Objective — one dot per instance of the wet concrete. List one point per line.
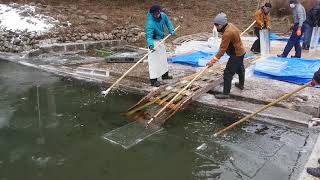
(312, 162)
(245, 108)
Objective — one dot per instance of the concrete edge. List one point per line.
(312, 162)
(263, 117)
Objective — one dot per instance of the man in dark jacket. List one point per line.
(232, 45)
(299, 16)
(313, 20)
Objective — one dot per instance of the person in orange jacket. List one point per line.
(232, 45)
(262, 17)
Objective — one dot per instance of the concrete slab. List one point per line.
(275, 113)
(312, 162)
(267, 90)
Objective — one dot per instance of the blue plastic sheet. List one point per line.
(198, 58)
(275, 37)
(294, 70)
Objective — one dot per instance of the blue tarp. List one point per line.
(275, 37)
(294, 70)
(198, 58)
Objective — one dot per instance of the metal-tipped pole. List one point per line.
(106, 92)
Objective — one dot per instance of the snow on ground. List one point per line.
(19, 18)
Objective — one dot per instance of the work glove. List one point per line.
(209, 64)
(173, 33)
(299, 33)
(212, 61)
(313, 82)
(151, 47)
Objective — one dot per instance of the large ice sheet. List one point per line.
(247, 154)
(130, 134)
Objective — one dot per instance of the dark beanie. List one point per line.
(268, 5)
(316, 76)
(293, 2)
(154, 8)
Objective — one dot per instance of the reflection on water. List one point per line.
(51, 129)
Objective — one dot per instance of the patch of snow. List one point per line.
(24, 18)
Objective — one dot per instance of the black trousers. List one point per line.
(256, 45)
(234, 65)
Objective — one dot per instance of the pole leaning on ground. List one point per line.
(177, 95)
(106, 92)
(248, 28)
(262, 109)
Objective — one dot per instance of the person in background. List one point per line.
(158, 64)
(313, 20)
(232, 45)
(299, 16)
(262, 17)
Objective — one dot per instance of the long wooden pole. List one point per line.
(262, 109)
(176, 96)
(106, 92)
(248, 28)
(195, 78)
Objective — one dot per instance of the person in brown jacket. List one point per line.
(232, 45)
(262, 17)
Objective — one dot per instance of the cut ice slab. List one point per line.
(93, 72)
(130, 134)
(248, 154)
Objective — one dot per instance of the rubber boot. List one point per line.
(314, 172)
(166, 76)
(241, 87)
(155, 83)
(222, 96)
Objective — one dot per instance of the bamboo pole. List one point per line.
(148, 104)
(164, 108)
(106, 92)
(166, 99)
(248, 28)
(198, 75)
(262, 109)
(159, 97)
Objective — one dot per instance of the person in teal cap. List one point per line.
(158, 65)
